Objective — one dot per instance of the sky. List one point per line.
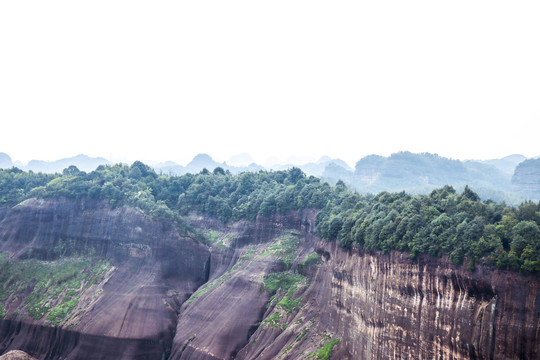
(166, 80)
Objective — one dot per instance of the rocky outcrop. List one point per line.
(16, 355)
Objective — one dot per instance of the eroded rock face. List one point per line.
(390, 307)
(168, 297)
(132, 317)
(219, 319)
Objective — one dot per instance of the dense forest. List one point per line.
(444, 222)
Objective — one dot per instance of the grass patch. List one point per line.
(289, 305)
(282, 280)
(60, 312)
(54, 286)
(284, 248)
(2, 311)
(272, 321)
(212, 236)
(249, 254)
(303, 333)
(311, 259)
(219, 240)
(287, 350)
(325, 352)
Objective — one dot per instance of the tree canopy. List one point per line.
(441, 223)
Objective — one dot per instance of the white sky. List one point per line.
(165, 80)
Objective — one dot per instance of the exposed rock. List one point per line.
(16, 355)
(169, 297)
(390, 307)
(131, 318)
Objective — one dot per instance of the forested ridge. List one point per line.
(444, 222)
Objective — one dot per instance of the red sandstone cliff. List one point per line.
(168, 297)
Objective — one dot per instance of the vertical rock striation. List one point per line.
(391, 307)
(132, 317)
(169, 297)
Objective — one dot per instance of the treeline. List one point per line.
(442, 223)
(218, 193)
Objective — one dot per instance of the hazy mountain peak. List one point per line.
(5, 161)
(202, 158)
(515, 158)
(167, 163)
(324, 159)
(202, 161)
(508, 163)
(81, 161)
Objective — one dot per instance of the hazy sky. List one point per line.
(165, 80)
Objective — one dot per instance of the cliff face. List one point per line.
(263, 290)
(389, 307)
(125, 313)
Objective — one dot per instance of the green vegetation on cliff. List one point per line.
(52, 288)
(326, 351)
(441, 223)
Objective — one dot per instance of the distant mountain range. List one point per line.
(421, 173)
(512, 179)
(200, 162)
(83, 162)
(507, 164)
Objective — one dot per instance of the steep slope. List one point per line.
(217, 321)
(267, 289)
(126, 308)
(357, 306)
(387, 307)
